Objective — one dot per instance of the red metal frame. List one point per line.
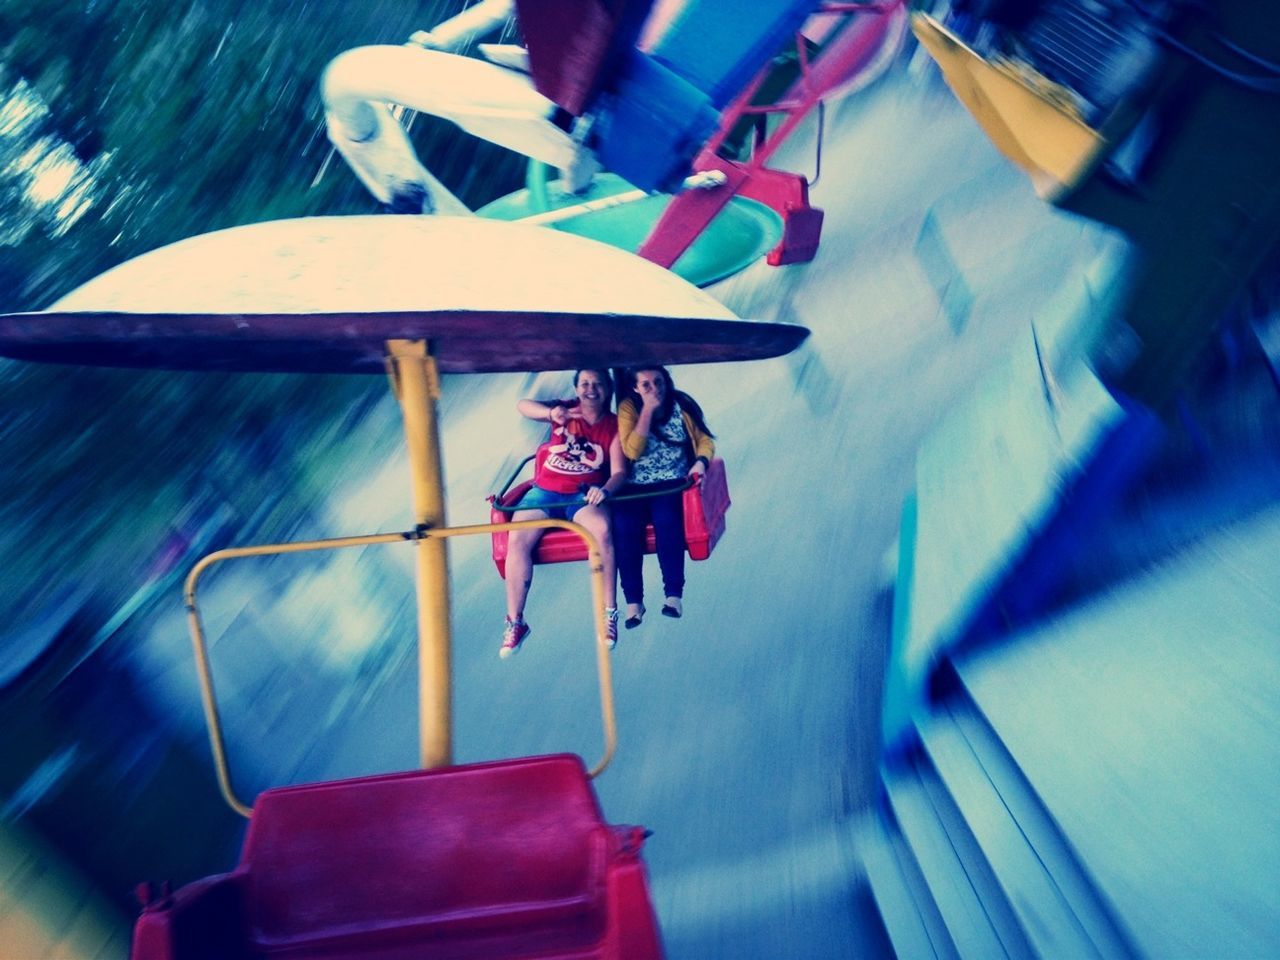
(852, 49)
(705, 504)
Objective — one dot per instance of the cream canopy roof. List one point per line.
(324, 294)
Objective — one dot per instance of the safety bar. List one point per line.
(703, 180)
(213, 720)
(496, 499)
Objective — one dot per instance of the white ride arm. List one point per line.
(485, 100)
(475, 21)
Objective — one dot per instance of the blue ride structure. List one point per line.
(1047, 787)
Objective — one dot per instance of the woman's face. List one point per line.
(651, 382)
(591, 388)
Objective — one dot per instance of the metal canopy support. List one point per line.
(416, 382)
(329, 295)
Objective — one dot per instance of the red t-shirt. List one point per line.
(576, 454)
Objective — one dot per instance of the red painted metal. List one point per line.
(705, 505)
(570, 43)
(851, 49)
(495, 860)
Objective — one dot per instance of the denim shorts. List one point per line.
(536, 498)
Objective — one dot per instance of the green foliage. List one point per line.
(208, 116)
(186, 118)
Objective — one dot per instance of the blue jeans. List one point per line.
(535, 498)
(666, 512)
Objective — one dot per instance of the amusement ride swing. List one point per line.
(666, 118)
(704, 502)
(508, 858)
(502, 859)
(725, 214)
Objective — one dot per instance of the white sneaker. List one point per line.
(635, 615)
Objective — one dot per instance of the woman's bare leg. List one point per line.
(596, 520)
(520, 547)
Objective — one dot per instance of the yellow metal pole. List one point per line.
(212, 718)
(417, 386)
(207, 697)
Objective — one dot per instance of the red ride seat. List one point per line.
(505, 860)
(705, 505)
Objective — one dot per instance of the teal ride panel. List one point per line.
(743, 232)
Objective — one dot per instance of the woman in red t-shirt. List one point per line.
(583, 453)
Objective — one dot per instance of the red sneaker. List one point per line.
(512, 636)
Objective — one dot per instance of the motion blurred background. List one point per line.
(124, 127)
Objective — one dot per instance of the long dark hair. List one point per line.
(663, 414)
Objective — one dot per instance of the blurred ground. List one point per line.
(749, 729)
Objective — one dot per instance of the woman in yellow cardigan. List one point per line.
(666, 440)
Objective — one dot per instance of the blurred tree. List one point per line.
(127, 126)
(206, 115)
(124, 127)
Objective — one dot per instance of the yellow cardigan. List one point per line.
(633, 444)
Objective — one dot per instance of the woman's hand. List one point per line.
(558, 415)
(595, 496)
(649, 396)
(698, 469)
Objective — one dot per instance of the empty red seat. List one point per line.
(506, 860)
(705, 505)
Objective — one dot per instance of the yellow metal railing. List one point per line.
(1030, 119)
(212, 718)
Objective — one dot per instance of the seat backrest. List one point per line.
(719, 45)
(408, 849)
(704, 508)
